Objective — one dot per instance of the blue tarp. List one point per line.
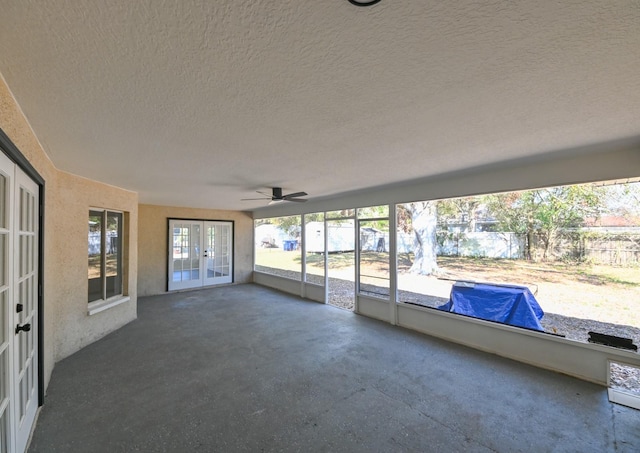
(513, 305)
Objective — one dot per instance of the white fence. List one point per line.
(482, 244)
(94, 242)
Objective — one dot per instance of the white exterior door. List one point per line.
(200, 253)
(18, 306)
(185, 254)
(217, 253)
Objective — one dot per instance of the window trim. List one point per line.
(103, 304)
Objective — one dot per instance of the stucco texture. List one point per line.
(153, 241)
(67, 326)
(69, 208)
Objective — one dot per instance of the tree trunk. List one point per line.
(424, 219)
(549, 245)
(529, 254)
(529, 245)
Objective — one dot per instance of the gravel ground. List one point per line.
(342, 296)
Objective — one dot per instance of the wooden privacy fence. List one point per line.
(614, 249)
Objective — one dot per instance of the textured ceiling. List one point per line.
(200, 102)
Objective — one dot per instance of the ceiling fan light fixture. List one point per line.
(277, 196)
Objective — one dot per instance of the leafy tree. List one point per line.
(544, 212)
(314, 217)
(290, 225)
(623, 200)
(376, 212)
(373, 212)
(459, 209)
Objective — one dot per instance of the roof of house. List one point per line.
(612, 221)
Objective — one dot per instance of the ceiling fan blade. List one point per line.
(277, 197)
(295, 195)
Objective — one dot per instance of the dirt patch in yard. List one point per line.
(601, 298)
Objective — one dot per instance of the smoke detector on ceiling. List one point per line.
(357, 3)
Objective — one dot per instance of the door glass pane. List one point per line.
(180, 252)
(3, 201)
(341, 262)
(22, 256)
(3, 236)
(222, 249)
(27, 210)
(31, 254)
(211, 251)
(4, 441)
(3, 259)
(374, 257)
(95, 255)
(219, 250)
(23, 210)
(4, 353)
(195, 253)
(186, 252)
(4, 330)
(113, 254)
(32, 213)
(4, 369)
(22, 300)
(314, 246)
(22, 399)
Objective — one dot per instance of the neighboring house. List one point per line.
(612, 224)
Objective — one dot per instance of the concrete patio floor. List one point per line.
(247, 369)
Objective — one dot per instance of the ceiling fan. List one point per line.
(277, 197)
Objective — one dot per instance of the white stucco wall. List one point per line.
(67, 211)
(67, 326)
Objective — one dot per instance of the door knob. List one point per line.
(24, 328)
(19, 308)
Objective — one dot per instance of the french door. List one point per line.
(19, 206)
(200, 253)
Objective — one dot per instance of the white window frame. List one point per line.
(104, 303)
